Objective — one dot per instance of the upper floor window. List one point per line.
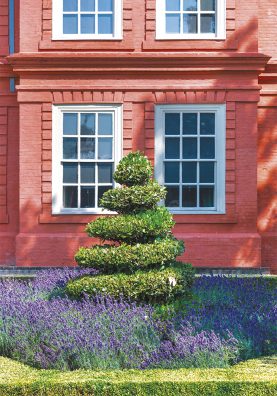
(190, 19)
(87, 19)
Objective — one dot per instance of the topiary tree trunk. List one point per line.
(141, 261)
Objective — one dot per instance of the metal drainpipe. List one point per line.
(11, 39)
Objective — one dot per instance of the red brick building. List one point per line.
(191, 83)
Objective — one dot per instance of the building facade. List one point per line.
(191, 83)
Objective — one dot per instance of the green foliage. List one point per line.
(130, 258)
(134, 169)
(252, 378)
(141, 227)
(133, 199)
(153, 286)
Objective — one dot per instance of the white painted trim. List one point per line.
(220, 33)
(57, 151)
(57, 24)
(220, 149)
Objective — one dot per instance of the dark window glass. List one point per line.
(105, 148)
(206, 172)
(189, 148)
(207, 24)
(105, 24)
(70, 24)
(172, 148)
(87, 124)
(173, 23)
(172, 170)
(206, 196)
(101, 191)
(70, 197)
(207, 148)
(87, 173)
(189, 172)
(172, 124)
(207, 5)
(190, 5)
(70, 148)
(87, 24)
(87, 197)
(207, 124)
(190, 23)
(70, 173)
(190, 124)
(105, 5)
(105, 173)
(105, 124)
(172, 197)
(70, 5)
(70, 124)
(87, 148)
(87, 5)
(172, 5)
(189, 196)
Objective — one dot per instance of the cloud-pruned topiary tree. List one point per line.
(140, 261)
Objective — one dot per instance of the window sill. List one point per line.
(190, 37)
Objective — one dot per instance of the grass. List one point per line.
(254, 377)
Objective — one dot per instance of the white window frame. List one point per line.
(57, 24)
(220, 21)
(220, 147)
(57, 151)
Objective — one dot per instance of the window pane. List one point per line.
(70, 5)
(189, 196)
(172, 123)
(87, 197)
(105, 5)
(207, 5)
(207, 148)
(190, 5)
(87, 124)
(87, 148)
(70, 124)
(101, 191)
(172, 197)
(105, 173)
(70, 173)
(70, 148)
(190, 124)
(87, 173)
(189, 148)
(190, 23)
(105, 148)
(70, 24)
(172, 5)
(173, 23)
(172, 171)
(172, 148)
(70, 197)
(105, 124)
(206, 172)
(87, 24)
(207, 24)
(207, 124)
(87, 5)
(105, 24)
(206, 197)
(189, 172)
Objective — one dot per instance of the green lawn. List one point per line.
(254, 377)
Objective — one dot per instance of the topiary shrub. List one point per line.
(156, 286)
(143, 245)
